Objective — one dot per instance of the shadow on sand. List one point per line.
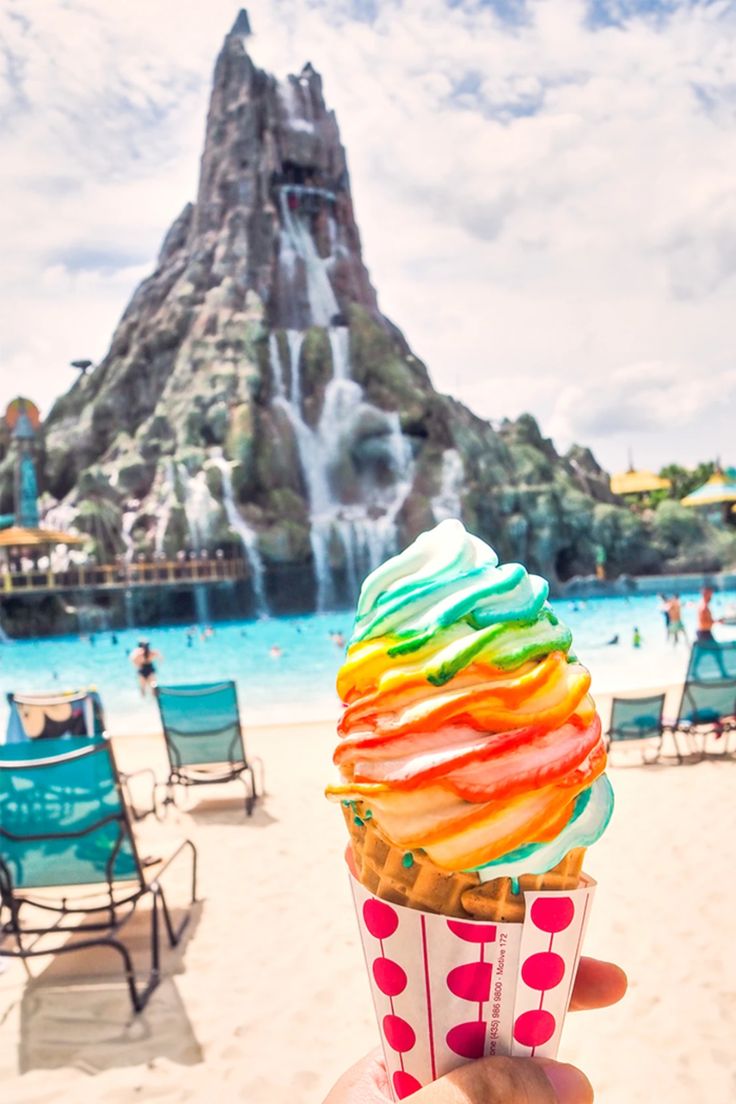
(77, 1012)
(712, 749)
(229, 809)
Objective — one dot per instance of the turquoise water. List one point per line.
(299, 684)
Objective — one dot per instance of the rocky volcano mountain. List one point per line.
(254, 398)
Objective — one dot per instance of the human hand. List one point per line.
(497, 1080)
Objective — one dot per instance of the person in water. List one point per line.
(636, 638)
(600, 562)
(665, 608)
(706, 620)
(675, 626)
(704, 633)
(143, 659)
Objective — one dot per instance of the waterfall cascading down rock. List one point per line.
(165, 498)
(199, 506)
(366, 529)
(129, 519)
(248, 536)
(447, 503)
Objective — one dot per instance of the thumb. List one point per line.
(509, 1081)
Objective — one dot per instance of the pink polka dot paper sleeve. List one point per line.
(447, 991)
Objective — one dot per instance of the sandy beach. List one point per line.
(267, 1001)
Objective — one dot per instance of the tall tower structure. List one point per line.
(23, 419)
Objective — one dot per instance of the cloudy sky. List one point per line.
(545, 191)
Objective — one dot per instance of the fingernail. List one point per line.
(569, 1084)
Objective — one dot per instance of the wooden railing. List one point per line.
(123, 576)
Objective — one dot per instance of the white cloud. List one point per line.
(545, 204)
(654, 396)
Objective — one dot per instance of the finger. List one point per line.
(509, 1081)
(597, 984)
(364, 1083)
(487, 1081)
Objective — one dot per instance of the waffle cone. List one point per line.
(382, 869)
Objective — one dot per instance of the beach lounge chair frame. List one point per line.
(201, 752)
(94, 729)
(111, 898)
(712, 661)
(637, 719)
(706, 708)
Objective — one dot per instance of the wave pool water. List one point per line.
(299, 683)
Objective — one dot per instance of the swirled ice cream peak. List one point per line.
(447, 574)
(468, 728)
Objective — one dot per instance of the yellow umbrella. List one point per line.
(637, 482)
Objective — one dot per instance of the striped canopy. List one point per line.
(720, 488)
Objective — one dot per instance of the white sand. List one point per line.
(268, 1003)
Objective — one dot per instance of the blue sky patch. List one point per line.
(615, 13)
(513, 12)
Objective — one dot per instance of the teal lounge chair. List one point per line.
(69, 861)
(712, 662)
(637, 719)
(706, 708)
(204, 738)
(69, 715)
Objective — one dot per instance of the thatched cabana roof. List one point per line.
(17, 537)
(637, 482)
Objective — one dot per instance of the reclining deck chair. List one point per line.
(55, 714)
(637, 719)
(705, 708)
(204, 738)
(67, 851)
(65, 715)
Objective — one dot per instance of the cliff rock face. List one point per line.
(254, 396)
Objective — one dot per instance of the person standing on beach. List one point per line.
(143, 659)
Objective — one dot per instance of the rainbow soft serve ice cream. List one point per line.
(469, 740)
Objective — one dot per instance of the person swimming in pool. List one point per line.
(143, 659)
(676, 627)
(704, 634)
